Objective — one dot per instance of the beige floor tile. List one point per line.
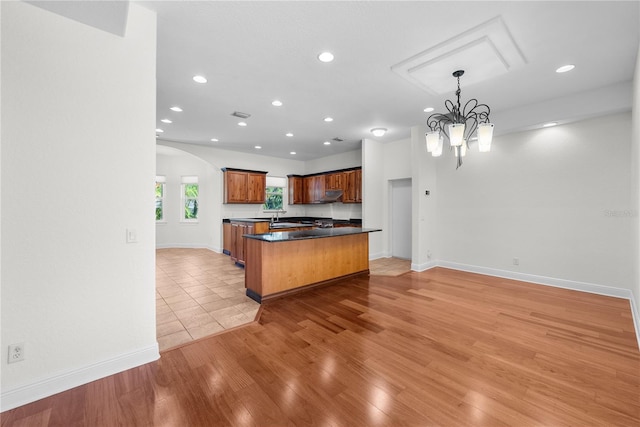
(191, 285)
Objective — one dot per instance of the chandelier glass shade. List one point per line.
(458, 125)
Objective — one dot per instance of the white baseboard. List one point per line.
(378, 255)
(424, 266)
(46, 387)
(547, 281)
(187, 246)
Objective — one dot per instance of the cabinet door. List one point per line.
(234, 240)
(256, 188)
(240, 230)
(333, 181)
(235, 187)
(318, 188)
(358, 185)
(349, 182)
(296, 190)
(226, 238)
(308, 195)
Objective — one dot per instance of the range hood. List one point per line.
(331, 196)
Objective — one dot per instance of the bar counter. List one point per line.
(280, 263)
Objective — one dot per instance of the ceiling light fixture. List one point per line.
(428, 109)
(199, 79)
(159, 130)
(214, 140)
(378, 131)
(276, 103)
(289, 134)
(458, 124)
(325, 57)
(565, 68)
(327, 143)
(292, 153)
(242, 124)
(176, 109)
(257, 147)
(550, 124)
(166, 121)
(328, 119)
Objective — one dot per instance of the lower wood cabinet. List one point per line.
(237, 243)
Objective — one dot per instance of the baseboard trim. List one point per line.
(187, 246)
(22, 395)
(424, 266)
(592, 288)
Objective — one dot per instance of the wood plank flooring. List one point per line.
(441, 347)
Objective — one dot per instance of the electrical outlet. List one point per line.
(516, 261)
(16, 353)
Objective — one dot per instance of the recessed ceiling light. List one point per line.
(292, 153)
(257, 147)
(276, 103)
(242, 123)
(378, 131)
(159, 130)
(289, 134)
(214, 139)
(327, 143)
(328, 119)
(199, 79)
(325, 57)
(428, 109)
(176, 109)
(550, 124)
(565, 68)
(166, 121)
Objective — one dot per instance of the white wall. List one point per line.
(373, 187)
(78, 152)
(553, 198)
(635, 190)
(171, 232)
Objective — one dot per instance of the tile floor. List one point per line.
(200, 292)
(389, 266)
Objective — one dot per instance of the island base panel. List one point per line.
(274, 267)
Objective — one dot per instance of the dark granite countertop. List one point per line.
(316, 233)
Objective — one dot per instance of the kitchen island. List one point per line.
(280, 263)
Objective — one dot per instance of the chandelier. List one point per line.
(458, 125)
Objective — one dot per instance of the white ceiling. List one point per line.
(255, 52)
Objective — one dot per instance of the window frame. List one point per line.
(184, 182)
(162, 181)
(275, 182)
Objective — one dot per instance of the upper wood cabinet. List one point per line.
(314, 187)
(244, 186)
(333, 181)
(352, 192)
(296, 189)
(311, 189)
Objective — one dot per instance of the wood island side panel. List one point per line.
(275, 267)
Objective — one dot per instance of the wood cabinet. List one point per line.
(226, 238)
(237, 243)
(333, 181)
(314, 188)
(352, 192)
(296, 190)
(244, 186)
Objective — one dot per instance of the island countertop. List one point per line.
(317, 233)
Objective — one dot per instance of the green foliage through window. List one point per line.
(159, 201)
(273, 200)
(190, 201)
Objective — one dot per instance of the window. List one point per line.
(160, 183)
(190, 191)
(275, 192)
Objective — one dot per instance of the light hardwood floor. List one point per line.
(441, 347)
